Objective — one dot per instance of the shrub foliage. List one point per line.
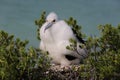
(19, 63)
(103, 62)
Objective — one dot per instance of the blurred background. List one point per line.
(17, 16)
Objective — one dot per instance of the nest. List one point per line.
(57, 72)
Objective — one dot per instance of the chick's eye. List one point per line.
(54, 20)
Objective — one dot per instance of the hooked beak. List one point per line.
(48, 25)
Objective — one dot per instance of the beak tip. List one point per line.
(47, 26)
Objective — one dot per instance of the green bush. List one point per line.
(103, 62)
(19, 63)
(104, 54)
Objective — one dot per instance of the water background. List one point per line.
(17, 16)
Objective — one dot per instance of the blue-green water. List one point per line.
(17, 16)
